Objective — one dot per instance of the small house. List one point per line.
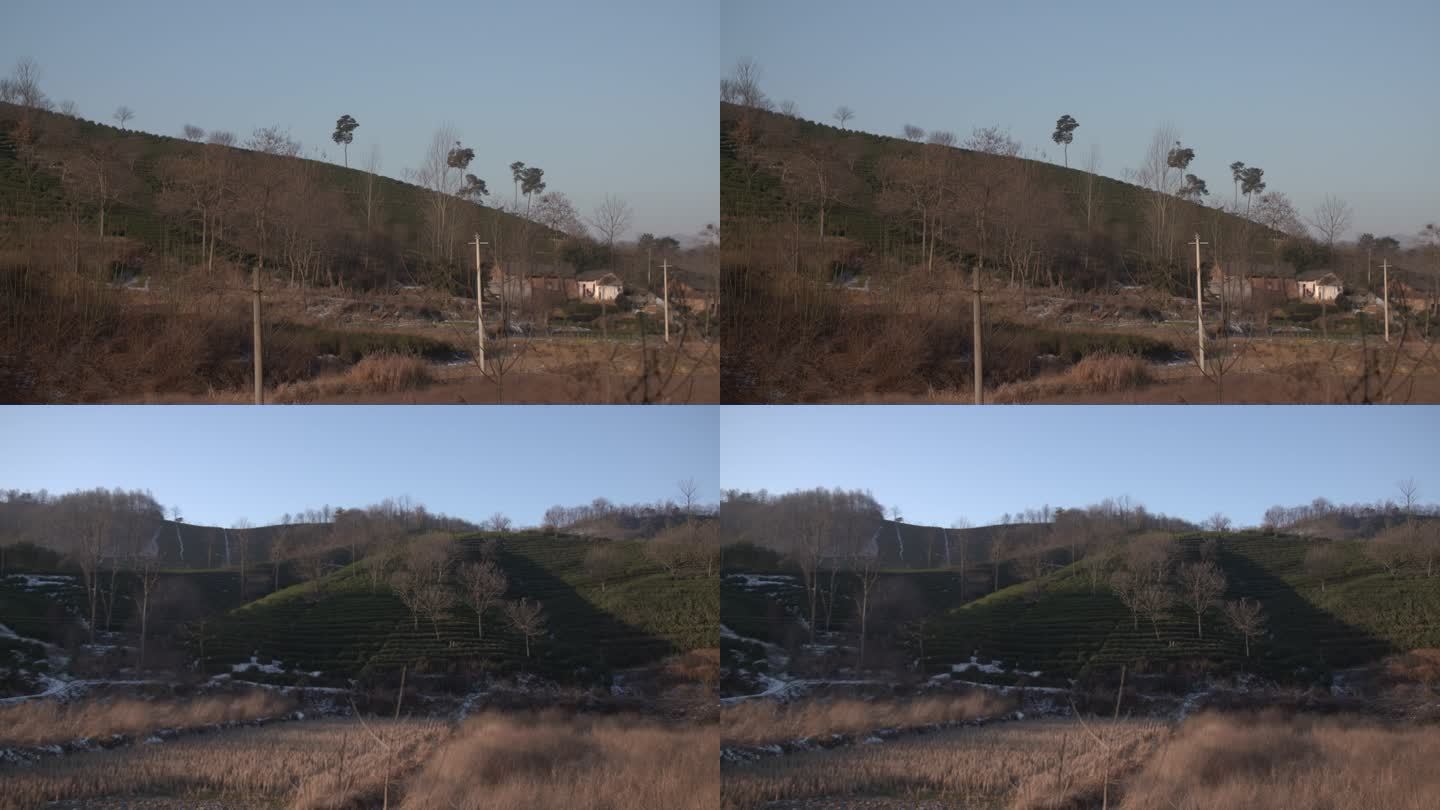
(519, 283)
(599, 285)
(1243, 281)
(1319, 285)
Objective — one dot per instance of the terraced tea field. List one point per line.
(638, 616)
(1362, 614)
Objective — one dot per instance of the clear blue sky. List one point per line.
(615, 97)
(223, 463)
(941, 463)
(1327, 97)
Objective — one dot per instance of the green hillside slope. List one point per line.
(326, 211)
(1068, 629)
(347, 628)
(766, 159)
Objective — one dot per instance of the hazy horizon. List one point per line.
(584, 100)
(940, 463)
(223, 463)
(1295, 101)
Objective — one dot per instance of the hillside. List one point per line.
(343, 626)
(154, 188)
(771, 167)
(1068, 630)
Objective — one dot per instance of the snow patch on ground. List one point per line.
(752, 581)
(990, 669)
(272, 668)
(35, 582)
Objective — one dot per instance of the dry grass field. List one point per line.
(761, 722)
(324, 764)
(1040, 764)
(491, 761)
(46, 723)
(1296, 763)
(503, 762)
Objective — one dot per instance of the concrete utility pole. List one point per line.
(665, 270)
(258, 348)
(979, 362)
(1385, 268)
(1199, 303)
(480, 300)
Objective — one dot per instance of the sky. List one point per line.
(220, 463)
(942, 463)
(1328, 98)
(615, 97)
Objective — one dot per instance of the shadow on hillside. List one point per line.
(1299, 632)
(581, 631)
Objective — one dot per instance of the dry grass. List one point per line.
(501, 762)
(1102, 373)
(1290, 764)
(1028, 765)
(381, 373)
(761, 722)
(46, 723)
(306, 766)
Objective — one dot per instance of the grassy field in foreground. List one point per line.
(493, 761)
(1007, 765)
(345, 624)
(47, 723)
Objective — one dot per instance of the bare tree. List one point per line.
(484, 585)
(433, 599)
(868, 576)
(1202, 584)
(242, 542)
(842, 115)
(222, 138)
(670, 550)
(790, 108)
(271, 141)
(742, 86)
(148, 574)
(1247, 617)
(498, 522)
(68, 107)
(1332, 218)
(528, 619)
(611, 219)
(23, 86)
(1152, 599)
(999, 548)
(603, 562)
(1217, 522)
(1323, 561)
(912, 133)
(405, 584)
(942, 137)
(122, 115)
(1126, 584)
(992, 141)
(193, 133)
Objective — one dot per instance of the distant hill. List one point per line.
(1067, 629)
(768, 169)
(53, 167)
(638, 615)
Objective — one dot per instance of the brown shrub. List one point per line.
(1289, 764)
(763, 722)
(1101, 373)
(380, 373)
(46, 723)
(578, 763)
